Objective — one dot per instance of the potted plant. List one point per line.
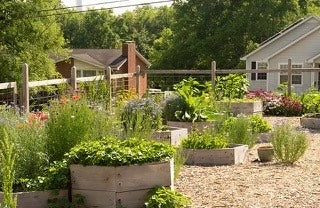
(265, 153)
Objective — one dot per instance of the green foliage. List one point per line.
(233, 86)
(289, 145)
(77, 201)
(311, 101)
(179, 160)
(111, 152)
(240, 131)
(205, 140)
(25, 38)
(72, 122)
(166, 198)
(172, 104)
(140, 117)
(7, 169)
(258, 124)
(195, 97)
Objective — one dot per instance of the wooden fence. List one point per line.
(213, 72)
(73, 81)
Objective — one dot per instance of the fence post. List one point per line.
(138, 71)
(213, 74)
(108, 81)
(73, 80)
(25, 88)
(289, 76)
(15, 93)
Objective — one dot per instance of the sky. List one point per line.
(121, 3)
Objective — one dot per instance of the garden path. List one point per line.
(255, 184)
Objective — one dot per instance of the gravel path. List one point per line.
(255, 184)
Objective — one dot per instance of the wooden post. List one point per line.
(138, 71)
(25, 88)
(108, 82)
(73, 80)
(213, 74)
(15, 93)
(289, 76)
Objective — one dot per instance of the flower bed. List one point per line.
(171, 135)
(234, 154)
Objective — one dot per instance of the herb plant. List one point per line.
(289, 145)
(112, 152)
(205, 140)
(166, 198)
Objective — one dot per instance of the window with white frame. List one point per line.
(89, 73)
(296, 77)
(262, 76)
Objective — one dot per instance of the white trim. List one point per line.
(257, 66)
(280, 35)
(311, 60)
(143, 59)
(87, 62)
(294, 42)
(279, 64)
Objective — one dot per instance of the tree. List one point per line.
(207, 30)
(28, 34)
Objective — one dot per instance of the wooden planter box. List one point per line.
(104, 186)
(201, 126)
(246, 108)
(173, 135)
(36, 199)
(310, 122)
(235, 154)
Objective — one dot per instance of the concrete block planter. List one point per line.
(172, 135)
(128, 186)
(311, 121)
(36, 199)
(235, 154)
(246, 108)
(201, 126)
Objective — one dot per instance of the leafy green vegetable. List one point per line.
(205, 140)
(231, 86)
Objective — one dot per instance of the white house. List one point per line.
(300, 42)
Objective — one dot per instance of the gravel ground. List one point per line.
(255, 184)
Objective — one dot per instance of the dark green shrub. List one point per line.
(172, 104)
(112, 152)
(205, 140)
(166, 198)
(289, 145)
(139, 117)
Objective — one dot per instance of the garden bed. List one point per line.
(201, 126)
(104, 186)
(235, 154)
(172, 135)
(310, 121)
(37, 199)
(245, 107)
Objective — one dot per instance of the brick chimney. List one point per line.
(129, 51)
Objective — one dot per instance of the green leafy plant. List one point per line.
(240, 131)
(231, 86)
(112, 152)
(258, 124)
(179, 160)
(140, 117)
(311, 101)
(7, 168)
(289, 145)
(172, 104)
(166, 198)
(77, 201)
(205, 140)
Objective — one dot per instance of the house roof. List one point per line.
(103, 58)
(312, 59)
(280, 34)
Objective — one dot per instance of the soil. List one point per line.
(256, 184)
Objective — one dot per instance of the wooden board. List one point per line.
(97, 199)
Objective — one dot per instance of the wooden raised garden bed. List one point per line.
(127, 186)
(235, 154)
(36, 199)
(172, 135)
(310, 121)
(245, 107)
(201, 126)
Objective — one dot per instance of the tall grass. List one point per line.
(289, 145)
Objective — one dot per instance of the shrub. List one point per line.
(289, 145)
(231, 86)
(284, 106)
(311, 101)
(205, 140)
(239, 131)
(112, 152)
(166, 198)
(73, 121)
(258, 124)
(140, 116)
(172, 104)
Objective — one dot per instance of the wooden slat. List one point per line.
(178, 71)
(119, 76)
(48, 82)
(8, 85)
(90, 79)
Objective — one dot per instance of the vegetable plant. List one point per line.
(311, 101)
(231, 86)
(205, 140)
